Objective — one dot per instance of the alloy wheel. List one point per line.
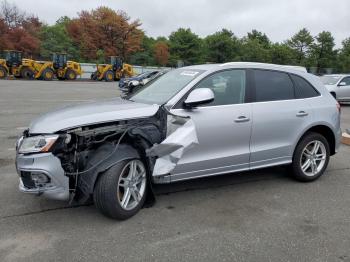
(131, 184)
(313, 158)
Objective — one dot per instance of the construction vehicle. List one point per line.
(65, 69)
(11, 63)
(113, 71)
(14, 64)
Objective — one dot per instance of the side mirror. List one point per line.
(342, 84)
(199, 96)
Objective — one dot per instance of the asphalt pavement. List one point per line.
(252, 216)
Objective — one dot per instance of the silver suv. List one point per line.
(191, 122)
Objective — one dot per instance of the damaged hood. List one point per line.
(90, 113)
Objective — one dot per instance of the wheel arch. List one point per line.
(100, 160)
(324, 130)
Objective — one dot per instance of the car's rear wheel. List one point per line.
(311, 157)
(120, 192)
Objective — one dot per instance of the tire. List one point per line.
(109, 76)
(110, 195)
(27, 73)
(71, 74)
(47, 74)
(308, 165)
(3, 72)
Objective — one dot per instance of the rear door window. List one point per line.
(272, 86)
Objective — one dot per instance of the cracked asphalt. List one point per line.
(252, 216)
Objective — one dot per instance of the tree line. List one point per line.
(95, 35)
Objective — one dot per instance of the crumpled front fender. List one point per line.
(181, 136)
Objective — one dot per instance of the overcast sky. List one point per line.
(279, 19)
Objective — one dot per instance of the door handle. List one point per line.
(241, 119)
(302, 113)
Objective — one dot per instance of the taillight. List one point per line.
(339, 107)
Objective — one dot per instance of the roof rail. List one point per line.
(298, 68)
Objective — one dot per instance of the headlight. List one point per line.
(36, 144)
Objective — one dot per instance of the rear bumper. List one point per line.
(338, 140)
(46, 163)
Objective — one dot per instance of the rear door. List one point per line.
(223, 128)
(278, 118)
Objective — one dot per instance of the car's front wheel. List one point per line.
(311, 157)
(121, 191)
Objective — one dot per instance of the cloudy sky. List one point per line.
(279, 19)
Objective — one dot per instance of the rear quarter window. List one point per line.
(303, 89)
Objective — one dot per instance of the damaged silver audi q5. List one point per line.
(191, 122)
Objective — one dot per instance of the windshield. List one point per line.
(330, 80)
(166, 86)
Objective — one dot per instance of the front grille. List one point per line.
(27, 179)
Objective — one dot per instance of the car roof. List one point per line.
(215, 67)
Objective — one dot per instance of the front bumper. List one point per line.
(44, 163)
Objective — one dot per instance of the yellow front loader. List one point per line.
(113, 71)
(14, 64)
(65, 69)
(10, 63)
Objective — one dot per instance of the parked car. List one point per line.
(191, 122)
(140, 77)
(131, 86)
(338, 86)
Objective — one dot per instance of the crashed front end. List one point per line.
(65, 165)
(41, 173)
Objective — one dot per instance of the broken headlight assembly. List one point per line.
(36, 144)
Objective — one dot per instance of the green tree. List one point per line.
(145, 55)
(55, 39)
(282, 54)
(344, 57)
(100, 56)
(301, 43)
(260, 37)
(185, 46)
(322, 51)
(255, 48)
(221, 46)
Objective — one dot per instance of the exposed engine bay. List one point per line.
(87, 151)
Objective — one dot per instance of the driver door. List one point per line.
(223, 129)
